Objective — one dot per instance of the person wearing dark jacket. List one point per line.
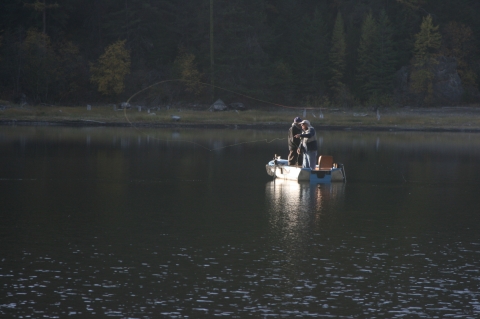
(309, 145)
(294, 143)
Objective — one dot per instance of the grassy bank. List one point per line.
(448, 118)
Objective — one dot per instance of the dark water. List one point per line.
(125, 223)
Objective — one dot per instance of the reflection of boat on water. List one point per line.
(295, 207)
(283, 193)
(326, 171)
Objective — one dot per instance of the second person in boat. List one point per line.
(294, 158)
(308, 145)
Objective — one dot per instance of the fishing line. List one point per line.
(224, 89)
(214, 86)
(218, 148)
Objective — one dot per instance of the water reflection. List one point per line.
(142, 224)
(295, 210)
(294, 197)
(292, 203)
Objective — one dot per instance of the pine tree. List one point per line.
(72, 82)
(337, 58)
(376, 58)
(39, 67)
(241, 37)
(386, 56)
(459, 43)
(311, 55)
(367, 57)
(427, 44)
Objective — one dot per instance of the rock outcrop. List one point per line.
(447, 85)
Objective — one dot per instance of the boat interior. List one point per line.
(325, 163)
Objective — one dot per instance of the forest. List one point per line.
(318, 53)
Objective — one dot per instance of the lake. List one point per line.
(185, 223)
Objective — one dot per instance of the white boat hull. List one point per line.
(280, 169)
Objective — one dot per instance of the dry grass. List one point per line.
(407, 118)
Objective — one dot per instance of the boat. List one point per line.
(327, 171)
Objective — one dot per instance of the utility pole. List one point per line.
(212, 80)
(42, 8)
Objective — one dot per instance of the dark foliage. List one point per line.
(272, 50)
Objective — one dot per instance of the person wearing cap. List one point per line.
(309, 145)
(294, 157)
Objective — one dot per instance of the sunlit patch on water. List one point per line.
(357, 278)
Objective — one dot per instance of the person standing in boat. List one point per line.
(294, 157)
(308, 145)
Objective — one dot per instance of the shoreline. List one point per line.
(256, 126)
(387, 119)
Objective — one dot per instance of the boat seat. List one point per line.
(325, 162)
